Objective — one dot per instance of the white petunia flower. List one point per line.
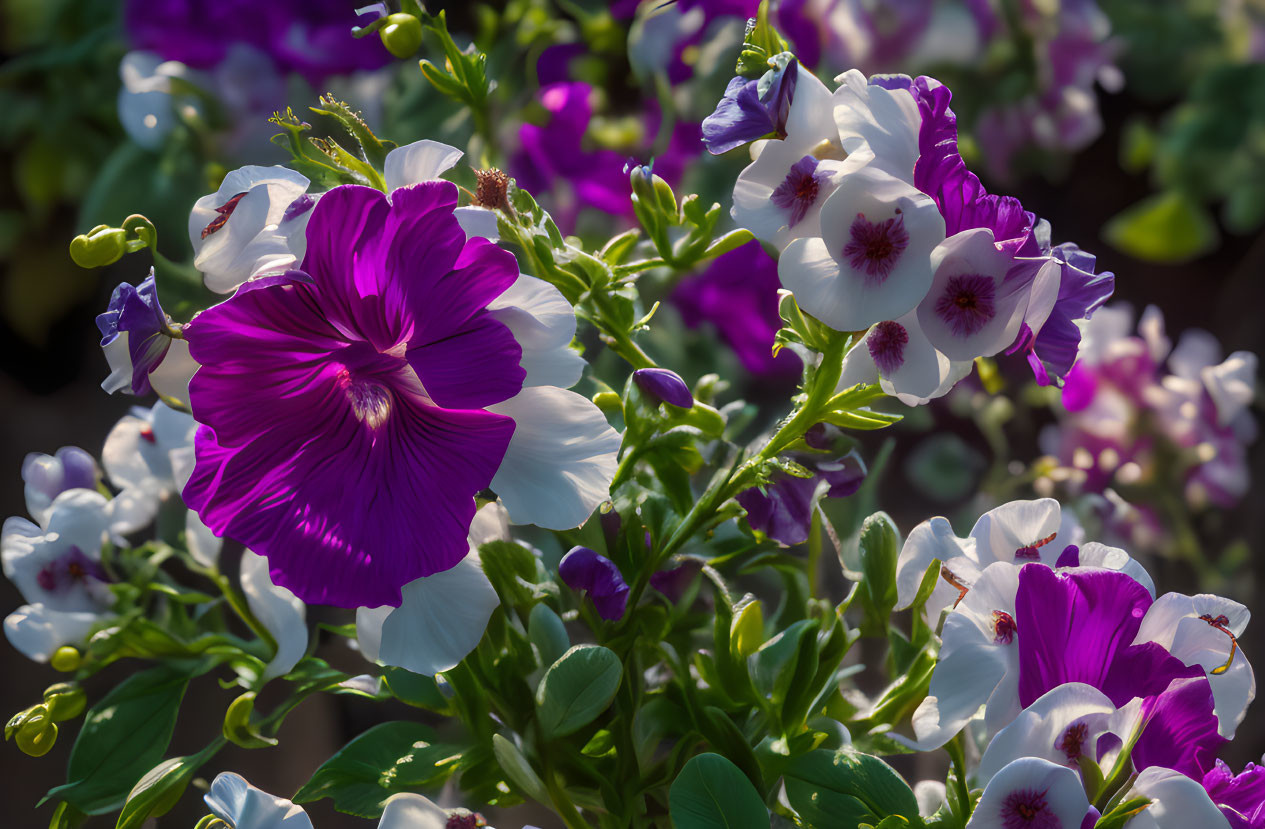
(875, 258)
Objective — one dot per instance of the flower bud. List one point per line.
(663, 385)
(66, 659)
(37, 736)
(607, 401)
(746, 631)
(65, 701)
(101, 246)
(402, 34)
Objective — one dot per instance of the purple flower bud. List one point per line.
(137, 312)
(597, 575)
(666, 386)
(752, 109)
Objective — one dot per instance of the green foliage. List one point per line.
(577, 688)
(387, 759)
(1166, 228)
(847, 788)
(712, 793)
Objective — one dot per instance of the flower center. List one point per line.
(225, 210)
(1004, 627)
(1027, 809)
(887, 346)
(967, 304)
(1029, 552)
(1072, 742)
(876, 247)
(798, 191)
(370, 401)
(465, 820)
(67, 570)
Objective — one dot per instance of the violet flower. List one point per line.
(396, 370)
(752, 109)
(584, 570)
(664, 386)
(137, 335)
(310, 37)
(784, 510)
(738, 295)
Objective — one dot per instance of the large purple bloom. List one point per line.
(311, 37)
(344, 427)
(1080, 626)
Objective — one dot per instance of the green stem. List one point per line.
(963, 794)
(242, 608)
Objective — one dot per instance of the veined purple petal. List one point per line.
(1181, 728)
(595, 574)
(751, 109)
(1240, 797)
(339, 436)
(664, 385)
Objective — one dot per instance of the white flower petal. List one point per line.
(203, 544)
(1002, 532)
(919, 369)
(810, 119)
(1039, 728)
(243, 806)
(119, 358)
(969, 668)
(1196, 350)
(477, 222)
(420, 161)
(278, 610)
(1232, 385)
(560, 461)
(753, 207)
(1057, 788)
(543, 323)
(491, 523)
(38, 632)
(821, 274)
(171, 377)
(886, 121)
(1177, 802)
(930, 541)
(1095, 554)
(137, 452)
(440, 620)
(412, 811)
(931, 795)
(972, 256)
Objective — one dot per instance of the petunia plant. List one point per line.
(408, 426)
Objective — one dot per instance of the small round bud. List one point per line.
(101, 246)
(402, 34)
(37, 742)
(607, 401)
(66, 659)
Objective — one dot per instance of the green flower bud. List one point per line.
(66, 659)
(402, 34)
(38, 734)
(237, 725)
(607, 401)
(65, 701)
(19, 719)
(101, 246)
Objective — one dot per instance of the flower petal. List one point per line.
(278, 610)
(420, 161)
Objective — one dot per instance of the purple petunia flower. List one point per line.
(665, 386)
(349, 422)
(738, 294)
(597, 575)
(752, 109)
(310, 37)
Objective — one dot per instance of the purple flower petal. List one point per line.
(784, 511)
(744, 114)
(664, 385)
(1241, 797)
(597, 575)
(324, 445)
(137, 312)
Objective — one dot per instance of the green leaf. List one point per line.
(713, 793)
(773, 665)
(577, 688)
(161, 788)
(512, 570)
(548, 634)
(366, 771)
(719, 730)
(123, 736)
(518, 770)
(1168, 228)
(847, 788)
(415, 689)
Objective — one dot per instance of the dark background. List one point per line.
(50, 397)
